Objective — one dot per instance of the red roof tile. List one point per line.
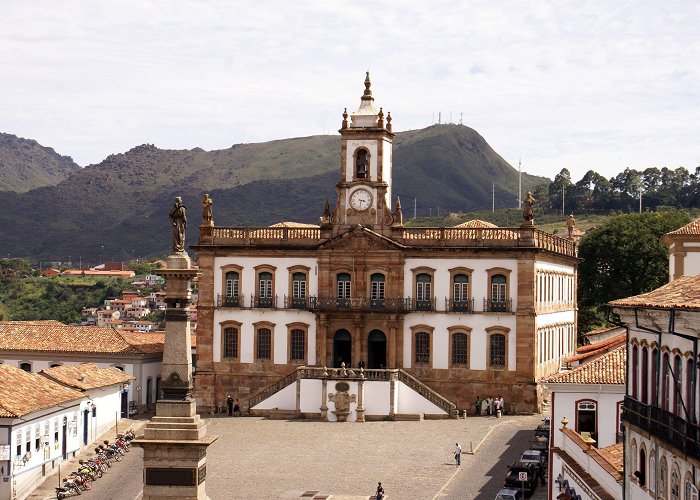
(36, 392)
(607, 369)
(681, 293)
(86, 376)
(690, 228)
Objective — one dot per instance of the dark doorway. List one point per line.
(125, 404)
(86, 413)
(149, 392)
(376, 349)
(342, 348)
(64, 450)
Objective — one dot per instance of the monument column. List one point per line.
(175, 442)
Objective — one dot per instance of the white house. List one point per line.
(39, 421)
(39, 345)
(586, 438)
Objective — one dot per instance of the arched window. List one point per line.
(232, 284)
(27, 367)
(230, 342)
(424, 294)
(342, 286)
(497, 350)
(645, 376)
(675, 484)
(298, 290)
(688, 388)
(586, 417)
(361, 164)
(642, 476)
(297, 345)
(665, 382)
(678, 386)
(635, 370)
(691, 492)
(422, 348)
(498, 300)
(633, 459)
(376, 286)
(460, 355)
(663, 479)
(654, 376)
(652, 472)
(460, 293)
(263, 346)
(264, 289)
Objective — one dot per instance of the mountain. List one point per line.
(119, 207)
(25, 165)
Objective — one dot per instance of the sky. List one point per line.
(600, 84)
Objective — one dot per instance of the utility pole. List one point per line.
(439, 117)
(520, 185)
(460, 119)
(640, 199)
(415, 206)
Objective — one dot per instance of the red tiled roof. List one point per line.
(690, 228)
(597, 348)
(22, 393)
(53, 336)
(602, 330)
(86, 376)
(607, 369)
(681, 293)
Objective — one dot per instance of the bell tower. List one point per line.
(364, 189)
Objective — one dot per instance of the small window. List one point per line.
(55, 430)
(459, 349)
(298, 290)
(377, 286)
(497, 350)
(498, 293)
(230, 343)
(265, 288)
(27, 367)
(586, 417)
(424, 294)
(18, 448)
(55, 365)
(343, 286)
(37, 437)
(361, 164)
(264, 343)
(27, 440)
(422, 348)
(297, 341)
(232, 284)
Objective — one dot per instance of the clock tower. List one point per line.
(364, 190)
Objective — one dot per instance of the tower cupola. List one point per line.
(366, 115)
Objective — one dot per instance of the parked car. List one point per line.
(509, 494)
(542, 431)
(534, 456)
(513, 477)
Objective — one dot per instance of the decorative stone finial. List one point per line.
(388, 121)
(367, 96)
(345, 118)
(380, 119)
(564, 423)
(398, 214)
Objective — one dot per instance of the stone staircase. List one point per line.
(335, 374)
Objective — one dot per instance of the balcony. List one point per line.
(672, 429)
(422, 304)
(229, 301)
(498, 305)
(264, 302)
(296, 302)
(459, 306)
(359, 304)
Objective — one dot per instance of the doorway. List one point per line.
(376, 349)
(342, 348)
(64, 439)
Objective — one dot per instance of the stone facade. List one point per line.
(469, 311)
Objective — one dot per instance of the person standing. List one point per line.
(477, 406)
(496, 407)
(458, 454)
(229, 403)
(237, 408)
(380, 492)
(502, 404)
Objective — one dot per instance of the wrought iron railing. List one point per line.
(498, 305)
(462, 306)
(359, 304)
(422, 304)
(230, 301)
(263, 302)
(673, 429)
(296, 302)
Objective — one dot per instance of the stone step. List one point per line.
(184, 420)
(174, 425)
(412, 417)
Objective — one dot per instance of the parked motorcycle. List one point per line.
(68, 489)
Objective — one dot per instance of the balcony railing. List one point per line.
(498, 305)
(263, 302)
(359, 304)
(673, 429)
(422, 304)
(462, 306)
(296, 302)
(230, 301)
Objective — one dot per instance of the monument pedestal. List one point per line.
(174, 453)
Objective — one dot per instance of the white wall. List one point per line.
(409, 401)
(478, 343)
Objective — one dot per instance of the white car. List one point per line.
(533, 456)
(509, 494)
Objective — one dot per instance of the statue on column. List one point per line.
(571, 225)
(528, 208)
(207, 213)
(179, 221)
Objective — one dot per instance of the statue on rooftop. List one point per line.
(528, 207)
(207, 213)
(571, 225)
(179, 221)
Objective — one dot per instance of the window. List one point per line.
(675, 484)
(297, 342)
(635, 370)
(688, 387)
(460, 293)
(231, 286)
(55, 430)
(586, 417)
(654, 373)
(231, 340)
(298, 286)
(263, 344)
(652, 472)
(27, 367)
(55, 365)
(361, 163)
(37, 437)
(665, 382)
(27, 440)
(642, 476)
(677, 384)
(376, 291)
(422, 348)
(75, 423)
(498, 291)
(18, 447)
(424, 296)
(645, 375)
(497, 350)
(265, 286)
(343, 286)
(460, 343)
(633, 459)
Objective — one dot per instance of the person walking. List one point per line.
(229, 403)
(380, 492)
(458, 454)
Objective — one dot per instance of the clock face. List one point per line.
(361, 199)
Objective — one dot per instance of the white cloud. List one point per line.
(583, 85)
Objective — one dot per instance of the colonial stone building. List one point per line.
(468, 310)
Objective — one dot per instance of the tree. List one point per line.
(624, 257)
